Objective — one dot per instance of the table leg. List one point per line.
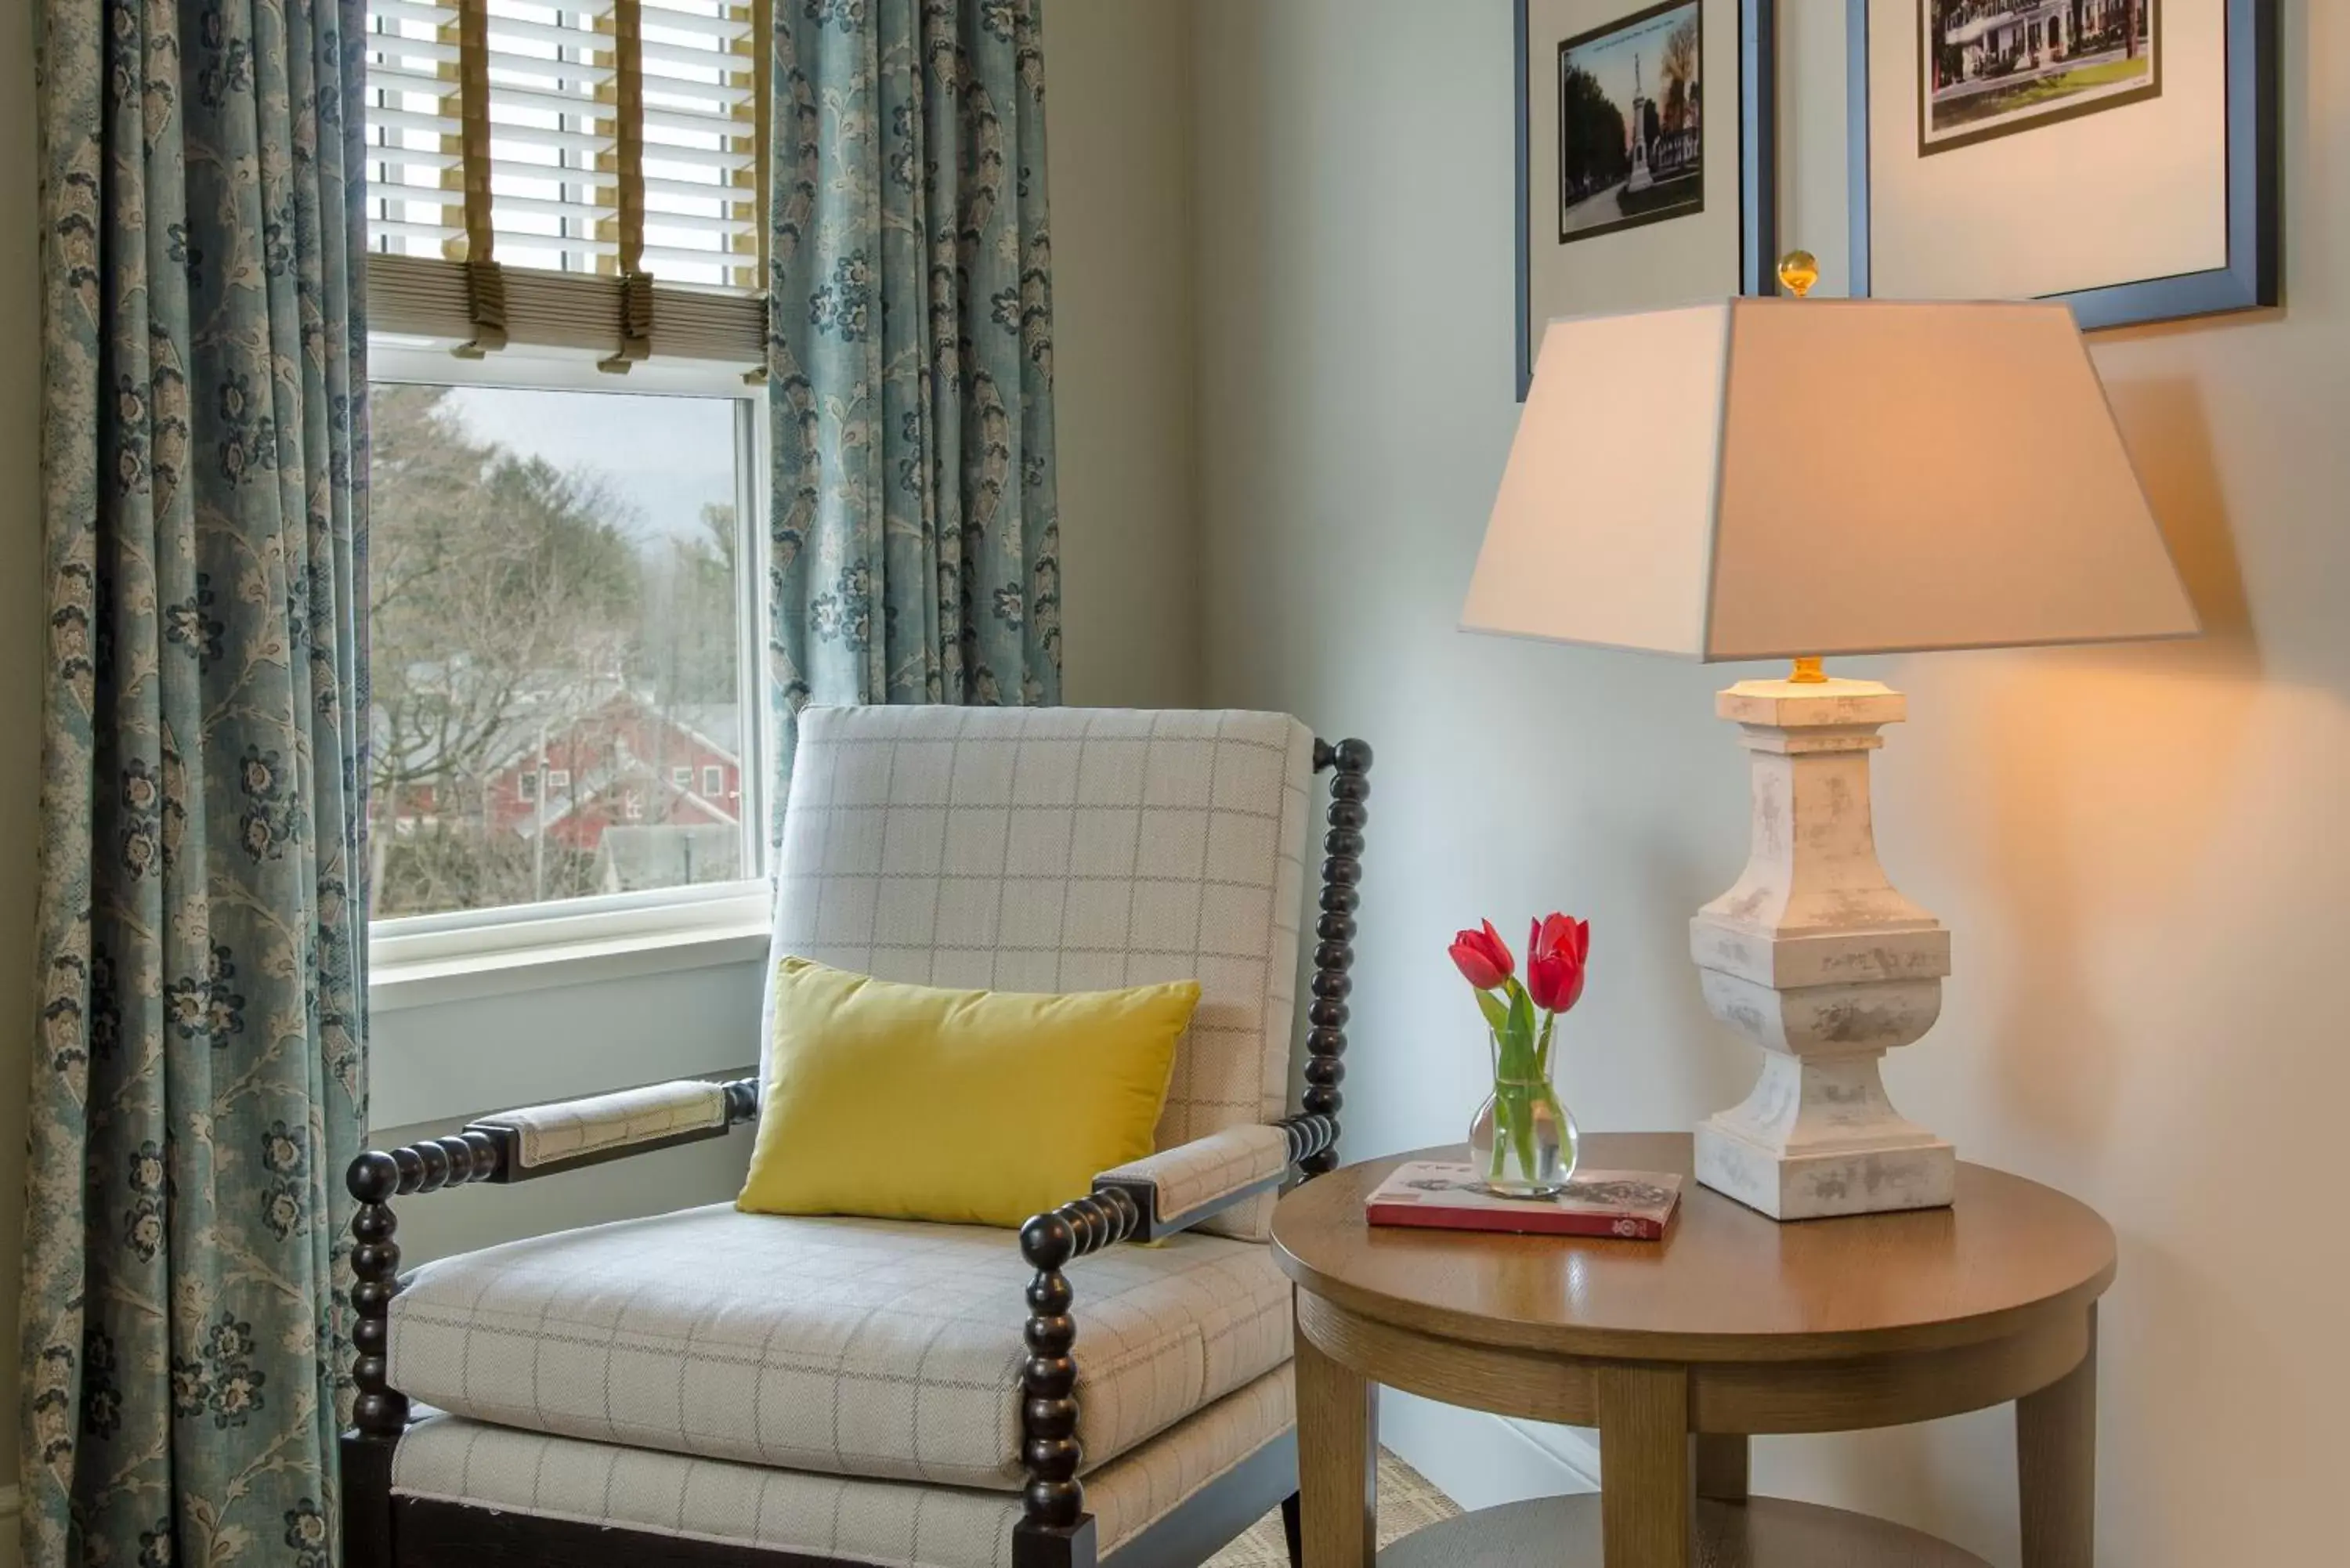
(1337, 1461)
(2056, 1466)
(1647, 1502)
(1722, 1466)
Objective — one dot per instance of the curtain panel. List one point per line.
(916, 533)
(197, 1078)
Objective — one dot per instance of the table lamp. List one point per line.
(1768, 478)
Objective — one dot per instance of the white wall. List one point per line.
(433, 1067)
(2140, 851)
(1118, 121)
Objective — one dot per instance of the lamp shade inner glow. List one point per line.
(1764, 478)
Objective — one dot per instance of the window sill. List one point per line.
(543, 954)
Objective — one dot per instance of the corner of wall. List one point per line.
(1481, 1460)
(1119, 113)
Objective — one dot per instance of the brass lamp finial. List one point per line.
(1798, 270)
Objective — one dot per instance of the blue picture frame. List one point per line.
(2251, 279)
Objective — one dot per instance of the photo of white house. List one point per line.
(1990, 68)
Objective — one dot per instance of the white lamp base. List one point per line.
(1818, 958)
(1884, 1168)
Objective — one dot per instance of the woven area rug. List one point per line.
(1407, 1499)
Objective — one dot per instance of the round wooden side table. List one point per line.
(1680, 1350)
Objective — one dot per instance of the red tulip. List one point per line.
(1556, 948)
(1483, 957)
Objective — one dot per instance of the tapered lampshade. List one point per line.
(1764, 478)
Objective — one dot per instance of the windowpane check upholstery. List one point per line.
(1195, 1174)
(1067, 850)
(877, 1521)
(571, 1129)
(855, 1347)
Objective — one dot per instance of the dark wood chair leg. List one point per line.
(1293, 1529)
(367, 1500)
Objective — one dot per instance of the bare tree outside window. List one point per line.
(553, 590)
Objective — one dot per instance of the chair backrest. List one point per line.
(1058, 849)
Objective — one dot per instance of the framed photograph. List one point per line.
(1631, 131)
(2119, 155)
(1646, 144)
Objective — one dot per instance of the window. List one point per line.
(558, 610)
(714, 782)
(563, 579)
(681, 778)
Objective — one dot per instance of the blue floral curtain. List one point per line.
(196, 1087)
(917, 539)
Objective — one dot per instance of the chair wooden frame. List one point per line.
(381, 1531)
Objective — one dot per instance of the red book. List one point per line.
(1636, 1204)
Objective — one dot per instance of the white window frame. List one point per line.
(417, 960)
(713, 790)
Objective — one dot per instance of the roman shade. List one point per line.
(585, 175)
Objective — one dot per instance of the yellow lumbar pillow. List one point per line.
(969, 1107)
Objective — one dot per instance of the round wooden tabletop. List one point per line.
(1726, 1283)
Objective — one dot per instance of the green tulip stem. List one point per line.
(1520, 1059)
(1522, 1127)
(1501, 1144)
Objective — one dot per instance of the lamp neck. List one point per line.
(1807, 672)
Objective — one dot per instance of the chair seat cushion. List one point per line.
(445, 1458)
(860, 1347)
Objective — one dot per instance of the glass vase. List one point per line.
(1523, 1141)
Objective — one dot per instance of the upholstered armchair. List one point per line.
(713, 1387)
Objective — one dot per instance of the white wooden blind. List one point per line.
(604, 154)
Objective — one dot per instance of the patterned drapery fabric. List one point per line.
(917, 536)
(197, 1076)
